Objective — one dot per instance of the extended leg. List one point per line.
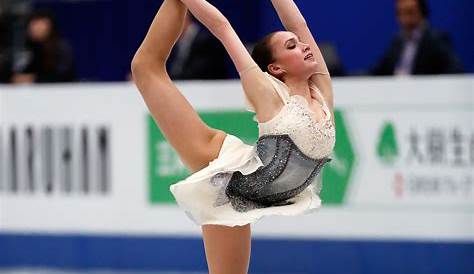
(227, 248)
(194, 141)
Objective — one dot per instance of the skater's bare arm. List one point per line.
(257, 86)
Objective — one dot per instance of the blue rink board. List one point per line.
(157, 254)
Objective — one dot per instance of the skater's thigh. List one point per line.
(195, 142)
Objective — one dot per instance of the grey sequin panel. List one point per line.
(285, 173)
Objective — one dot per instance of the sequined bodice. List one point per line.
(314, 138)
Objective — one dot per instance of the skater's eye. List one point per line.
(291, 43)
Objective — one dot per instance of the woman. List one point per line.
(234, 184)
(50, 56)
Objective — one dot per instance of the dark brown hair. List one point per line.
(262, 53)
(424, 9)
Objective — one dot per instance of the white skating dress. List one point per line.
(202, 194)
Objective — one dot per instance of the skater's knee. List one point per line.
(148, 76)
(143, 67)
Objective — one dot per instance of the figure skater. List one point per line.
(233, 184)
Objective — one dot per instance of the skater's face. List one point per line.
(292, 57)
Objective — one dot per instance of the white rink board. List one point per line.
(373, 208)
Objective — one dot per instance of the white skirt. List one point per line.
(199, 196)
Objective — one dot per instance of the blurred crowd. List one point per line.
(38, 53)
(35, 53)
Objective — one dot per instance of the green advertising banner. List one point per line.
(337, 175)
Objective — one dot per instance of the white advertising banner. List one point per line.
(87, 158)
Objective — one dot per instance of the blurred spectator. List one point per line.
(48, 57)
(418, 48)
(332, 59)
(6, 55)
(197, 54)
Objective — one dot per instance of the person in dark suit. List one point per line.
(197, 55)
(418, 49)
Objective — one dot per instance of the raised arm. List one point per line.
(256, 85)
(294, 21)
